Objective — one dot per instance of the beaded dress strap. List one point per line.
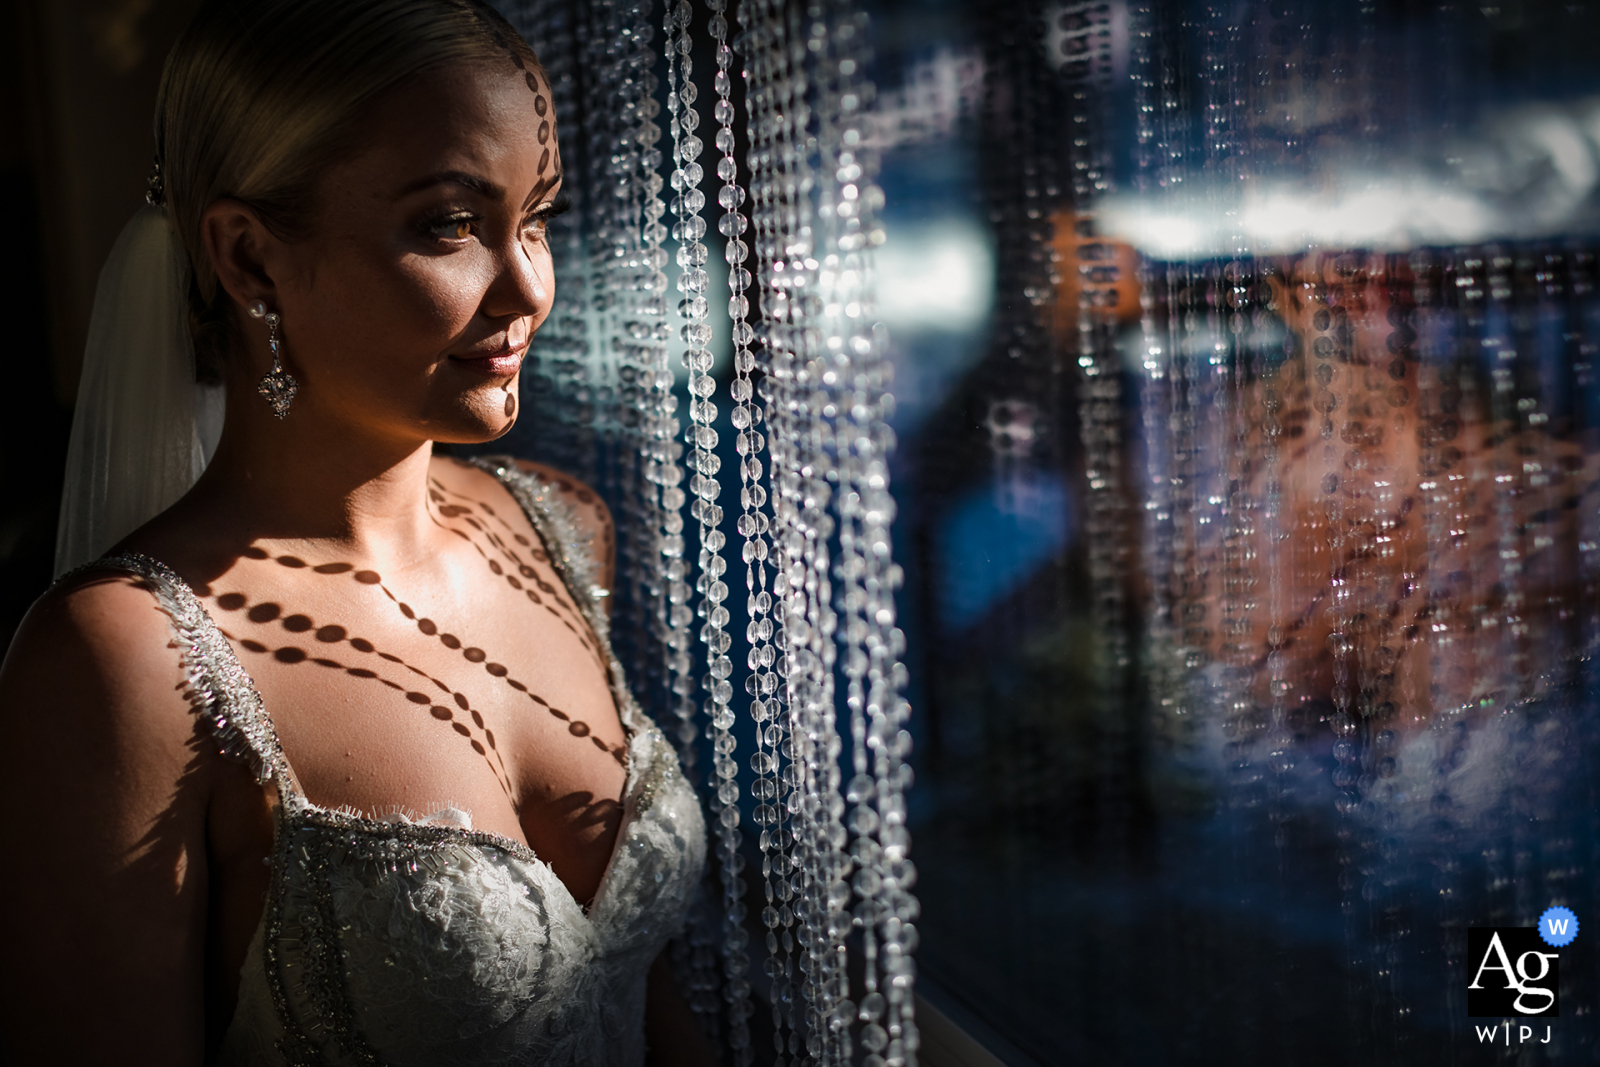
(572, 557)
(215, 681)
(553, 520)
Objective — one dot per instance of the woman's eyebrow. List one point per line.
(542, 190)
(480, 185)
(477, 184)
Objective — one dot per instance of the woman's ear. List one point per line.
(240, 247)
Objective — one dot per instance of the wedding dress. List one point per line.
(399, 941)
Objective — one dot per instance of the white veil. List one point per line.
(137, 443)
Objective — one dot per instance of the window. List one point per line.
(1251, 614)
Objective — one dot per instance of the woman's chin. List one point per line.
(480, 416)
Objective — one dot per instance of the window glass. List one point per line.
(1247, 486)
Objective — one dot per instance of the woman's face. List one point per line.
(407, 311)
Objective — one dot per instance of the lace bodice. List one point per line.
(400, 941)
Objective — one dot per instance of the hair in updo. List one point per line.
(258, 99)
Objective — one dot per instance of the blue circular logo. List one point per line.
(1558, 926)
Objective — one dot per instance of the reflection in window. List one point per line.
(1252, 528)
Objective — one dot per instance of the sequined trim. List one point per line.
(319, 965)
(571, 555)
(296, 1045)
(391, 846)
(570, 548)
(215, 682)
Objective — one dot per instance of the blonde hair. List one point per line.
(258, 99)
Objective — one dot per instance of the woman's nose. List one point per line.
(522, 284)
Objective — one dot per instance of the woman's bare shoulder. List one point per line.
(588, 509)
(101, 755)
(96, 654)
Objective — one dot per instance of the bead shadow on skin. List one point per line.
(524, 563)
(436, 695)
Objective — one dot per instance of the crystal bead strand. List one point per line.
(1155, 395)
(1189, 493)
(1159, 415)
(595, 62)
(1471, 291)
(657, 500)
(1510, 470)
(1022, 230)
(1439, 484)
(1188, 566)
(1397, 389)
(699, 970)
(1211, 367)
(1465, 289)
(1237, 601)
(762, 683)
(1470, 284)
(828, 1011)
(1086, 45)
(812, 622)
(1225, 65)
(1500, 353)
(579, 384)
(601, 223)
(802, 517)
(1439, 424)
(1276, 539)
(885, 910)
(1335, 392)
(1370, 427)
(663, 502)
(689, 231)
(613, 106)
(633, 342)
(1553, 560)
(775, 783)
(1280, 384)
(834, 329)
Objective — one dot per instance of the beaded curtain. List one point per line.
(1337, 465)
(754, 607)
(1300, 300)
(1290, 371)
(1372, 518)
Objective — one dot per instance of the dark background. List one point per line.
(77, 92)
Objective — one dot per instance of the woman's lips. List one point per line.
(504, 362)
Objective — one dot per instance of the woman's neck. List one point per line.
(313, 479)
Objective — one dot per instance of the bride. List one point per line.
(329, 761)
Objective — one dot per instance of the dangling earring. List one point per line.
(278, 386)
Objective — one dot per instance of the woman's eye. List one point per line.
(452, 228)
(539, 221)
